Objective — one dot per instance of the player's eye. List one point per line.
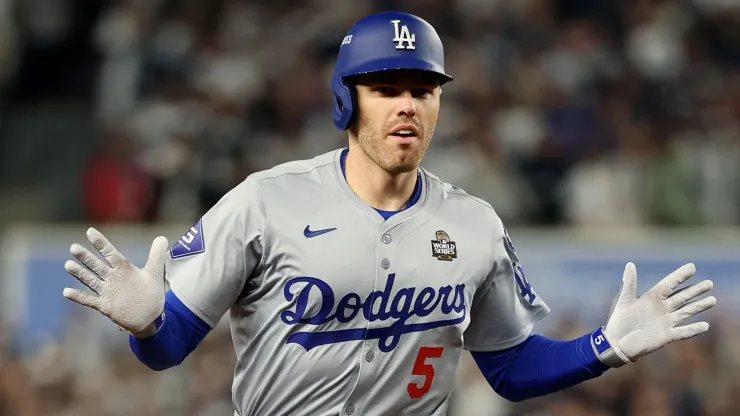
(421, 92)
(385, 90)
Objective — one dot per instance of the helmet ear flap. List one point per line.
(353, 102)
(339, 102)
(345, 100)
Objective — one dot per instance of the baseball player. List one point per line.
(354, 280)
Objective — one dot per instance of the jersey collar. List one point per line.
(417, 200)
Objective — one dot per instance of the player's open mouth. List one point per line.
(405, 133)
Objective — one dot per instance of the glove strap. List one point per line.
(604, 350)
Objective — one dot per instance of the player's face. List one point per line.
(397, 114)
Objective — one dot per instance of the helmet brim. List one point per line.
(396, 63)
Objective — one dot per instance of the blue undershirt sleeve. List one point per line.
(539, 366)
(180, 334)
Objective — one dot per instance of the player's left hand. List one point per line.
(640, 325)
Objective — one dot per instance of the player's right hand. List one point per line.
(131, 297)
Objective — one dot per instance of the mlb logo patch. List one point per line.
(191, 243)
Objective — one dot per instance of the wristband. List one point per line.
(604, 350)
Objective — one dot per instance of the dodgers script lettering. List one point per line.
(377, 306)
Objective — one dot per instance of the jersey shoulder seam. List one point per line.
(266, 175)
(457, 191)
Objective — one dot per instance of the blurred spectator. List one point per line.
(116, 187)
(119, 37)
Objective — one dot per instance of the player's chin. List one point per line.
(403, 162)
(399, 168)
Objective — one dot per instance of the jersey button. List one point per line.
(385, 263)
(386, 239)
(349, 410)
(369, 356)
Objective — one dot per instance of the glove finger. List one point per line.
(86, 277)
(688, 331)
(629, 282)
(108, 250)
(84, 298)
(692, 309)
(684, 295)
(157, 257)
(89, 259)
(668, 284)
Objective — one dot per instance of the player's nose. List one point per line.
(406, 104)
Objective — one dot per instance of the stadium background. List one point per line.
(601, 131)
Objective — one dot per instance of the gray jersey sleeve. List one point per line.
(210, 264)
(506, 306)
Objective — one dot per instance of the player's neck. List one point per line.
(375, 186)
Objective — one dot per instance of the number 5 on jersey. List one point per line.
(423, 368)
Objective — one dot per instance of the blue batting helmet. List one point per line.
(380, 42)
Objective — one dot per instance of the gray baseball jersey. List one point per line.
(336, 311)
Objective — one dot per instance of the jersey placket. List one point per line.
(369, 353)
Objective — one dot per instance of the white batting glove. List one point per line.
(132, 298)
(638, 326)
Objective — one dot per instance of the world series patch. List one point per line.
(443, 248)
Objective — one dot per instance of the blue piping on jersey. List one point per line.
(387, 214)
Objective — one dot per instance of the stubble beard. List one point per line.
(391, 159)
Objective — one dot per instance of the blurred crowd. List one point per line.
(576, 112)
(584, 113)
(698, 377)
(74, 378)
(562, 112)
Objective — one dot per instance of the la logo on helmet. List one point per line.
(403, 38)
